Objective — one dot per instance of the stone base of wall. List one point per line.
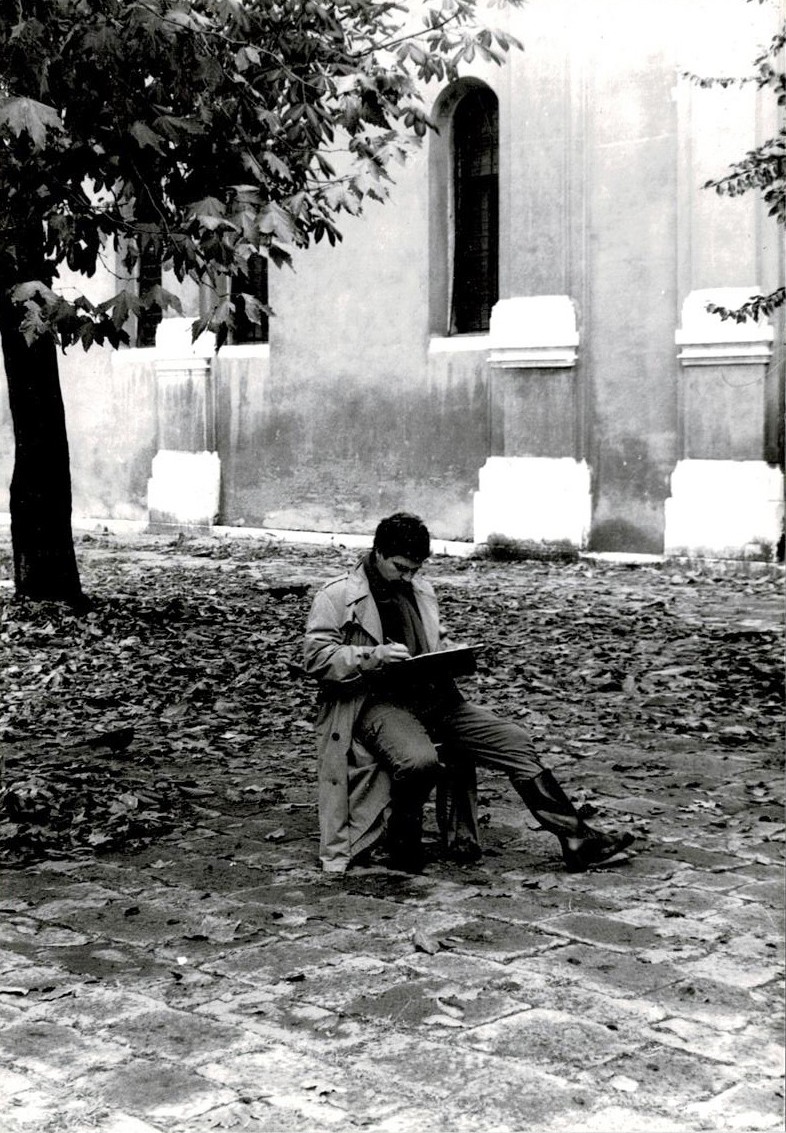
(534, 499)
(724, 509)
(183, 491)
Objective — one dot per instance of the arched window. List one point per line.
(475, 284)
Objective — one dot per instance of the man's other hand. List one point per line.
(392, 652)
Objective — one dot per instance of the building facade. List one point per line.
(517, 343)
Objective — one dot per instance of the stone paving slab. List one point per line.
(516, 1010)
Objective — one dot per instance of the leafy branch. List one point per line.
(205, 130)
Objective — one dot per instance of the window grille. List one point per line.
(253, 281)
(149, 277)
(476, 211)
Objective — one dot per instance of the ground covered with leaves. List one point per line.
(180, 685)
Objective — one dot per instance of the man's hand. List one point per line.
(392, 652)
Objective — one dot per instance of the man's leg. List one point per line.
(507, 747)
(402, 745)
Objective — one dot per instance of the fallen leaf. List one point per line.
(424, 943)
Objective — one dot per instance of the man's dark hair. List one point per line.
(403, 534)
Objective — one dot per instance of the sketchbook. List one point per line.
(458, 661)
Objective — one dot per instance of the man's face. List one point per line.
(397, 568)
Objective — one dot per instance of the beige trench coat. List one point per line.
(342, 631)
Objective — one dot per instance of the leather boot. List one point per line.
(405, 825)
(405, 838)
(583, 847)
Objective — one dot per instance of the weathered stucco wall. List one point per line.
(334, 458)
(110, 408)
(111, 416)
(629, 355)
(351, 419)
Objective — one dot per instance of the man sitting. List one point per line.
(360, 630)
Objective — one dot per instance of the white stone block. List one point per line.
(539, 499)
(533, 331)
(709, 340)
(174, 340)
(184, 488)
(724, 509)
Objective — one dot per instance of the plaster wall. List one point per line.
(110, 404)
(630, 292)
(541, 156)
(352, 419)
(110, 408)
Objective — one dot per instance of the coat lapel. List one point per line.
(360, 606)
(429, 612)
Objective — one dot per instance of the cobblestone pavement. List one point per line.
(217, 980)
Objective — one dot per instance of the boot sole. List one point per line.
(616, 859)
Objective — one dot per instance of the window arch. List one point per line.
(464, 209)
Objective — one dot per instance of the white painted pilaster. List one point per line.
(722, 507)
(540, 499)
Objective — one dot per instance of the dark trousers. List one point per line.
(404, 743)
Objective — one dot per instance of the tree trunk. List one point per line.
(44, 560)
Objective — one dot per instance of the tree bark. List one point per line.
(44, 561)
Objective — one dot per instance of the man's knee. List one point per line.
(415, 762)
(399, 741)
